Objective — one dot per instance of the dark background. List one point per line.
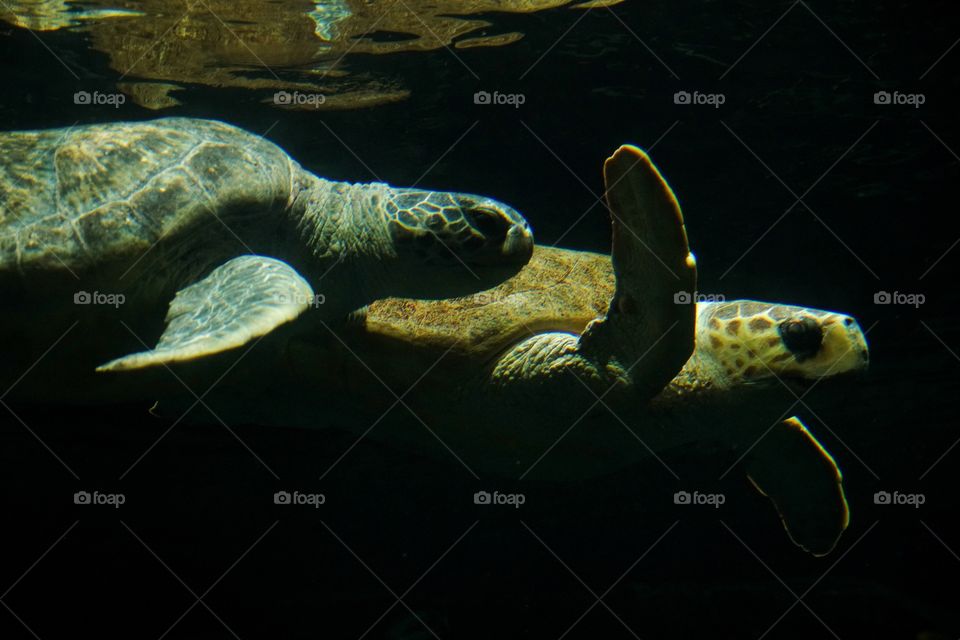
(883, 216)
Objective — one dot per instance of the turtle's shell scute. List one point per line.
(87, 194)
(558, 290)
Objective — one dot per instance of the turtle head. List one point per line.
(477, 242)
(750, 343)
(441, 228)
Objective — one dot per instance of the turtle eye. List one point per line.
(802, 337)
(492, 224)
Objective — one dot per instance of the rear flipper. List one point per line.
(242, 299)
(801, 478)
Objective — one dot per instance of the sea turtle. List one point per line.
(585, 363)
(116, 220)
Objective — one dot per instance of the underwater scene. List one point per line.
(479, 319)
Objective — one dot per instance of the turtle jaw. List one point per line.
(843, 348)
(519, 244)
(515, 248)
(504, 235)
(801, 385)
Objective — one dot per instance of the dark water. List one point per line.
(402, 552)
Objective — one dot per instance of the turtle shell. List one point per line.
(558, 290)
(75, 197)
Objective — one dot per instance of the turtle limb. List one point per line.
(791, 468)
(647, 333)
(242, 299)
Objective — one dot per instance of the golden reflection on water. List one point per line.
(295, 51)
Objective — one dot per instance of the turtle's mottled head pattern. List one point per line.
(751, 341)
(437, 228)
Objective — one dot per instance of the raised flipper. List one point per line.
(791, 468)
(240, 300)
(651, 322)
(648, 331)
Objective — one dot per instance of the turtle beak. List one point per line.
(518, 245)
(507, 236)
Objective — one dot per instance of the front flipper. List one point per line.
(240, 300)
(648, 331)
(801, 478)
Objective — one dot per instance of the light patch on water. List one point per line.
(326, 15)
(50, 15)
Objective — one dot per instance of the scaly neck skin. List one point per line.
(701, 403)
(347, 248)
